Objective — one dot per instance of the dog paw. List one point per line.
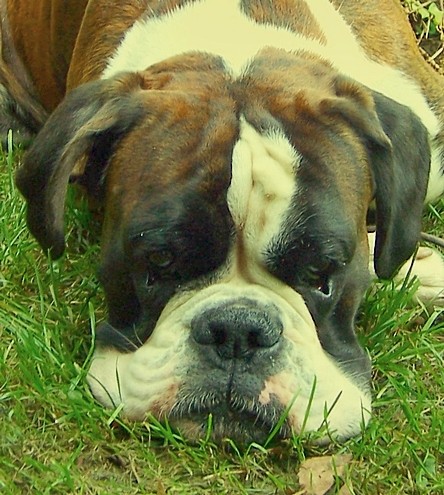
(428, 268)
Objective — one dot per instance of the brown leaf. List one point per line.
(317, 474)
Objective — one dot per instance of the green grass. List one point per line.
(54, 438)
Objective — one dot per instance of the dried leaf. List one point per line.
(317, 475)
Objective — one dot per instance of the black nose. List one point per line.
(237, 330)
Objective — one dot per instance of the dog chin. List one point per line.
(241, 420)
(247, 420)
(242, 429)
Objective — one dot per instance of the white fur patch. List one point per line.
(146, 380)
(212, 26)
(262, 184)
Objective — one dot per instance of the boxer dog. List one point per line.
(236, 148)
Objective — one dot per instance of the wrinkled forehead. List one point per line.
(246, 146)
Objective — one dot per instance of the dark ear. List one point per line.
(83, 127)
(401, 175)
(399, 153)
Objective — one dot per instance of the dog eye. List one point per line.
(318, 277)
(161, 259)
(160, 265)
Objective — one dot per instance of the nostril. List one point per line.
(219, 335)
(208, 333)
(253, 340)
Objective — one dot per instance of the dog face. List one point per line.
(234, 247)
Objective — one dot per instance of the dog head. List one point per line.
(234, 245)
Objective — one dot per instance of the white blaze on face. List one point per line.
(262, 184)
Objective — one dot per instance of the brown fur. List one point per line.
(278, 10)
(44, 34)
(179, 90)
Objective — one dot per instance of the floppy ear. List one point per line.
(401, 175)
(399, 153)
(83, 127)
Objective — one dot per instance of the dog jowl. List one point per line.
(235, 181)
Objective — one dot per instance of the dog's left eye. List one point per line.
(161, 259)
(318, 277)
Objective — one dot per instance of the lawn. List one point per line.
(54, 438)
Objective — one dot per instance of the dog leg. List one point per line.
(20, 109)
(428, 268)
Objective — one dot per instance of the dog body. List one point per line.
(236, 148)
